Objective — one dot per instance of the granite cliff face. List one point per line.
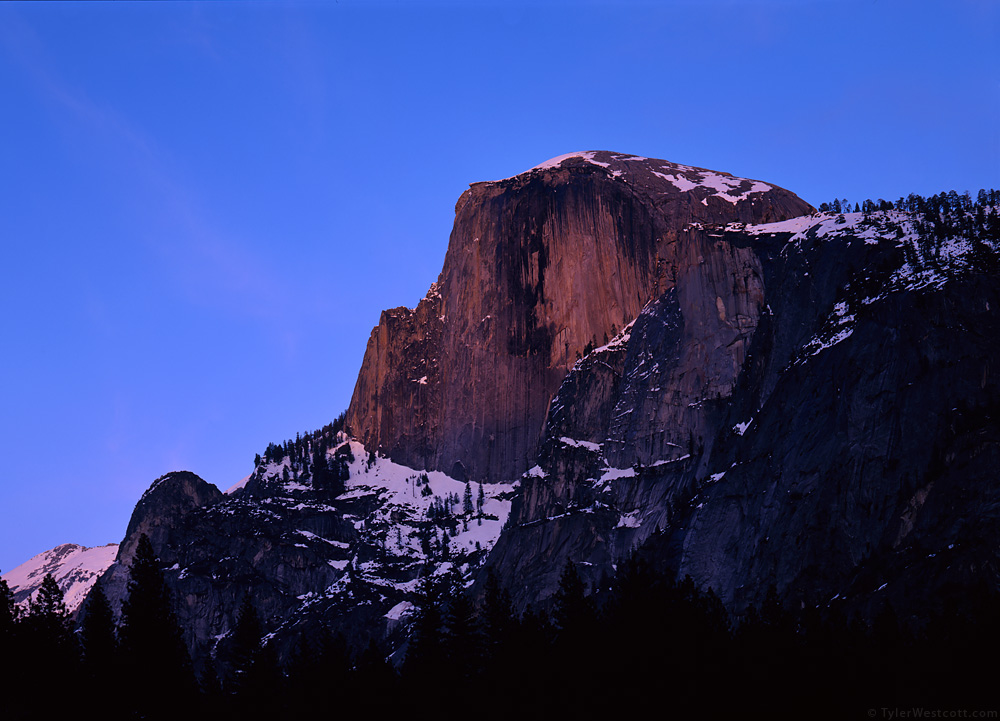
(631, 353)
(541, 267)
(848, 457)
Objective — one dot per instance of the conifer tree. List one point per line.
(9, 613)
(209, 681)
(157, 664)
(497, 613)
(462, 637)
(9, 653)
(97, 633)
(573, 610)
(47, 642)
(467, 507)
(49, 621)
(246, 649)
(425, 651)
(375, 677)
(255, 677)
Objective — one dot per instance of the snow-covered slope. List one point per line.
(75, 568)
(312, 551)
(680, 178)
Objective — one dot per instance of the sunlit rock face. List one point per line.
(540, 268)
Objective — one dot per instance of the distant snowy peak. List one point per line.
(651, 173)
(75, 568)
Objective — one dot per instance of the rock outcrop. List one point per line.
(633, 354)
(540, 268)
(846, 458)
(308, 558)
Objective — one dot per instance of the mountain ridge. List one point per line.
(641, 365)
(538, 266)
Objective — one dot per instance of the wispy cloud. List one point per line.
(210, 264)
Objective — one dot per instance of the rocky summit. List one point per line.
(625, 353)
(541, 268)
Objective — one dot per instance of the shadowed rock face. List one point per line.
(848, 457)
(811, 404)
(538, 267)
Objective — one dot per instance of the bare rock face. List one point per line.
(834, 438)
(540, 268)
(174, 496)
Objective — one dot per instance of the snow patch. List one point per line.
(611, 474)
(399, 610)
(589, 445)
(237, 486)
(630, 520)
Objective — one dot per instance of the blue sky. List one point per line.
(205, 207)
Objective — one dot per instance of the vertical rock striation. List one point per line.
(540, 268)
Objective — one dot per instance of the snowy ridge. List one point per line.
(872, 228)
(75, 569)
(682, 178)
(557, 161)
(407, 524)
(925, 264)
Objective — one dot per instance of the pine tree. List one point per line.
(462, 638)
(97, 634)
(246, 648)
(48, 642)
(10, 661)
(49, 619)
(425, 651)
(573, 610)
(445, 551)
(9, 613)
(153, 651)
(209, 682)
(375, 677)
(497, 613)
(467, 507)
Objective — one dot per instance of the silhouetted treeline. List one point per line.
(641, 639)
(647, 639)
(939, 217)
(137, 668)
(303, 447)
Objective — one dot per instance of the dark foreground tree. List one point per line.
(49, 626)
(9, 613)
(254, 678)
(425, 655)
(47, 646)
(246, 636)
(158, 671)
(97, 635)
